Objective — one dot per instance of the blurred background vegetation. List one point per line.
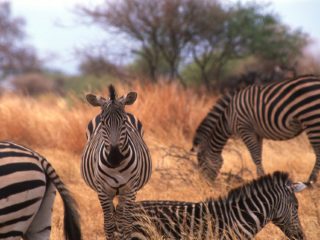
(204, 44)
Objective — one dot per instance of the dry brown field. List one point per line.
(55, 127)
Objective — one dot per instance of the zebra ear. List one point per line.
(130, 98)
(298, 187)
(94, 100)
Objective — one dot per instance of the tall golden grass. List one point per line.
(55, 127)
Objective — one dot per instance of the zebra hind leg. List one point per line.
(40, 227)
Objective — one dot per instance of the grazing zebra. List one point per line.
(116, 160)
(276, 111)
(27, 192)
(240, 215)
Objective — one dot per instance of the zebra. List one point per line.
(115, 161)
(239, 215)
(28, 185)
(277, 111)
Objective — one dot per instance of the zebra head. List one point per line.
(286, 214)
(113, 117)
(209, 164)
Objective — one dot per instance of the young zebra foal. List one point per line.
(239, 215)
(28, 185)
(116, 160)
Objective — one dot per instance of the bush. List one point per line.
(36, 84)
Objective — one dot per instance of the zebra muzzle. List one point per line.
(115, 157)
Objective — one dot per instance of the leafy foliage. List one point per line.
(172, 35)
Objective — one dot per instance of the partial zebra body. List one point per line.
(27, 190)
(275, 118)
(277, 111)
(115, 160)
(239, 215)
(114, 178)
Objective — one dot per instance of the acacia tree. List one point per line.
(136, 21)
(203, 32)
(15, 55)
(244, 31)
(161, 29)
(206, 45)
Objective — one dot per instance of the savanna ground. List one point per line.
(55, 127)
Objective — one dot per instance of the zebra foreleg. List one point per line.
(108, 214)
(124, 214)
(254, 144)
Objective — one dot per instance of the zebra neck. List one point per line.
(217, 140)
(255, 205)
(249, 220)
(215, 148)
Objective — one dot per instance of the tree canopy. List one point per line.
(203, 34)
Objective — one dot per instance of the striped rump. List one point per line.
(28, 185)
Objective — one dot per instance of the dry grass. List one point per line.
(56, 129)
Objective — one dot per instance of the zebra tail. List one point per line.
(72, 228)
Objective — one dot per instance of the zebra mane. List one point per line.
(249, 189)
(224, 100)
(112, 92)
(206, 126)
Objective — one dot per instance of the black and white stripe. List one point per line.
(28, 185)
(277, 111)
(239, 215)
(116, 160)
